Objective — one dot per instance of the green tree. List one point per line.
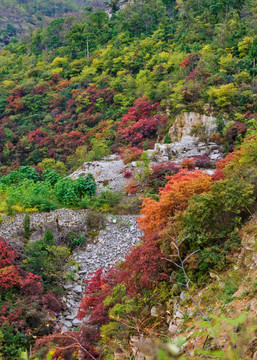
(48, 239)
(26, 226)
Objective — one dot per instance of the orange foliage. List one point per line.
(174, 198)
(188, 164)
(132, 187)
(224, 162)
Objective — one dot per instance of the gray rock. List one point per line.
(67, 287)
(154, 311)
(76, 322)
(70, 317)
(78, 289)
(67, 323)
(107, 172)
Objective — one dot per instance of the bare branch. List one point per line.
(173, 262)
(190, 256)
(177, 245)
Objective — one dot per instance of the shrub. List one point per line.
(65, 191)
(160, 172)
(143, 168)
(143, 267)
(7, 254)
(48, 239)
(140, 124)
(213, 215)
(22, 317)
(174, 198)
(9, 278)
(51, 303)
(24, 172)
(95, 221)
(12, 341)
(31, 285)
(235, 133)
(127, 174)
(46, 260)
(132, 187)
(42, 203)
(188, 164)
(131, 154)
(78, 241)
(128, 205)
(202, 161)
(98, 151)
(85, 186)
(51, 177)
(97, 289)
(56, 166)
(107, 200)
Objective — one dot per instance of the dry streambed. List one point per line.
(108, 247)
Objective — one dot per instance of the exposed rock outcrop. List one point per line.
(189, 138)
(107, 172)
(60, 222)
(189, 123)
(188, 147)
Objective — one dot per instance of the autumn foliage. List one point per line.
(173, 199)
(140, 124)
(23, 311)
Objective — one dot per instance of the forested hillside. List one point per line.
(86, 87)
(18, 18)
(56, 90)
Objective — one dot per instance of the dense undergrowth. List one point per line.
(79, 90)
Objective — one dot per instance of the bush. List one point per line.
(174, 198)
(140, 124)
(24, 172)
(131, 154)
(202, 162)
(127, 174)
(46, 259)
(158, 177)
(109, 198)
(143, 168)
(85, 186)
(211, 216)
(234, 134)
(212, 257)
(41, 203)
(51, 176)
(95, 221)
(48, 239)
(65, 191)
(132, 187)
(12, 342)
(188, 164)
(98, 151)
(46, 195)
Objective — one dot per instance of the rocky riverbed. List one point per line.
(112, 244)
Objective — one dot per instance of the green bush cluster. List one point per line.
(45, 258)
(25, 190)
